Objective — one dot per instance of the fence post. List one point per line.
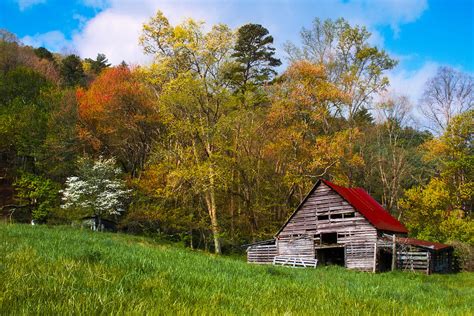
(394, 252)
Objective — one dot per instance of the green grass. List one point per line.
(67, 271)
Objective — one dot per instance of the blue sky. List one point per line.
(422, 34)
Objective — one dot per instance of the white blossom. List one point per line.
(98, 188)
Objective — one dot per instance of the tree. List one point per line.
(99, 64)
(72, 72)
(254, 56)
(442, 209)
(297, 122)
(189, 78)
(448, 93)
(37, 193)
(9, 47)
(392, 161)
(23, 84)
(352, 64)
(43, 53)
(26, 99)
(118, 117)
(62, 145)
(98, 188)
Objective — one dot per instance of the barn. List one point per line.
(346, 226)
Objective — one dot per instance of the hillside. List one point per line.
(63, 270)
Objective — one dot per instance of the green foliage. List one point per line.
(442, 209)
(254, 56)
(429, 213)
(72, 72)
(100, 63)
(218, 148)
(9, 49)
(464, 256)
(39, 194)
(24, 84)
(61, 146)
(26, 102)
(65, 271)
(43, 53)
(354, 65)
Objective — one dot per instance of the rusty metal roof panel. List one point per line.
(422, 243)
(369, 208)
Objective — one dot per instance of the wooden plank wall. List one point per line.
(261, 254)
(302, 247)
(360, 256)
(356, 230)
(414, 259)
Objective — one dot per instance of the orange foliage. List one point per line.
(118, 116)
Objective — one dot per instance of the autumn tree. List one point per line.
(118, 118)
(9, 48)
(298, 116)
(392, 151)
(196, 100)
(441, 210)
(352, 64)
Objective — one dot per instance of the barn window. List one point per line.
(329, 238)
(348, 215)
(336, 216)
(323, 217)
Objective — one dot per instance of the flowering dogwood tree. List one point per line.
(98, 188)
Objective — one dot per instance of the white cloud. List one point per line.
(411, 83)
(114, 34)
(25, 4)
(115, 30)
(385, 12)
(53, 40)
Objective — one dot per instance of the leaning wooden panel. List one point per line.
(261, 254)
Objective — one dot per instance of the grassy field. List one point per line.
(63, 271)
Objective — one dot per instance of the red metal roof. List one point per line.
(369, 208)
(422, 243)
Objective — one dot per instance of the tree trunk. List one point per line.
(212, 209)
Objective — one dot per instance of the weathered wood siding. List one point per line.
(302, 247)
(360, 256)
(261, 254)
(414, 259)
(355, 232)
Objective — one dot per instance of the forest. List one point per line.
(217, 140)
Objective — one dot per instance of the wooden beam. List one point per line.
(394, 252)
(375, 257)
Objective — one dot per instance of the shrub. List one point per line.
(463, 256)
